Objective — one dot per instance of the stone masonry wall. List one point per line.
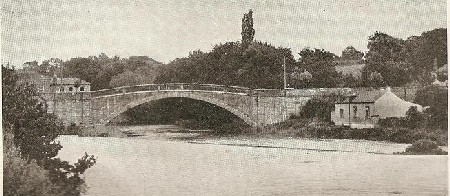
(70, 107)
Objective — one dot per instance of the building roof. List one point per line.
(390, 105)
(444, 68)
(364, 96)
(71, 81)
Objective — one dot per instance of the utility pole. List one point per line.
(284, 72)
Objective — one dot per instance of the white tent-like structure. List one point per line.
(389, 105)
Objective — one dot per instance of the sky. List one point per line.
(165, 30)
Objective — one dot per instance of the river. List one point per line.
(155, 165)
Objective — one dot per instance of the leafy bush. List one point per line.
(33, 131)
(318, 108)
(21, 177)
(437, 99)
(424, 146)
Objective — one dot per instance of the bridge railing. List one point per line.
(171, 86)
(223, 88)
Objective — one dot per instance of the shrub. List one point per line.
(30, 129)
(318, 108)
(424, 146)
(21, 177)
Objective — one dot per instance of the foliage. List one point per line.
(426, 51)
(318, 108)
(414, 118)
(424, 146)
(247, 29)
(350, 53)
(402, 61)
(435, 98)
(34, 131)
(319, 63)
(312, 128)
(102, 72)
(387, 57)
(259, 66)
(24, 116)
(21, 177)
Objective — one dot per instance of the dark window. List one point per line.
(367, 112)
(70, 88)
(82, 88)
(355, 111)
(61, 89)
(341, 113)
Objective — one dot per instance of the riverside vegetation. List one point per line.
(29, 133)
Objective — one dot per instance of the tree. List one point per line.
(414, 118)
(32, 130)
(258, 66)
(424, 51)
(247, 29)
(386, 56)
(319, 63)
(350, 53)
(435, 98)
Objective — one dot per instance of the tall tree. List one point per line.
(424, 51)
(319, 63)
(386, 56)
(248, 32)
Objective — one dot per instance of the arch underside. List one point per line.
(155, 97)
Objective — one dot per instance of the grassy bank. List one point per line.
(306, 128)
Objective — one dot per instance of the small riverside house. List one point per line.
(363, 109)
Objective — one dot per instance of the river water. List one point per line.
(153, 165)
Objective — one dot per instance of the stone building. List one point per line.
(364, 108)
(67, 98)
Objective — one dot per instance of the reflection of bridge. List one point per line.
(255, 107)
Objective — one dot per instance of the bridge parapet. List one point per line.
(172, 87)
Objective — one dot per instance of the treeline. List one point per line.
(395, 62)
(389, 62)
(29, 133)
(102, 72)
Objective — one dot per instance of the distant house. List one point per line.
(70, 85)
(363, 109)
(46, 84)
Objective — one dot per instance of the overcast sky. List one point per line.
(164, 30)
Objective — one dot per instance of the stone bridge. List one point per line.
(256, 107)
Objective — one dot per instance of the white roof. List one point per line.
(389, 105)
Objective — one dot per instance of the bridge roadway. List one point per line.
(257, 107)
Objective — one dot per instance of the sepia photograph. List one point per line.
(232, 97)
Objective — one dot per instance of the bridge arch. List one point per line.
(181, 94)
